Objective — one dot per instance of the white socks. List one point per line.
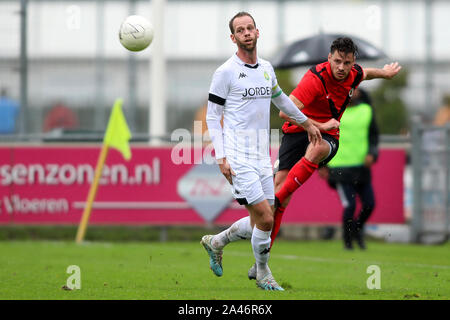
(261, 247)
(260, 240)
(241, 229)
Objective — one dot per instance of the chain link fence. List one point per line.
(430, 155)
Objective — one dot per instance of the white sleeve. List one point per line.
(216, 102)
(220, 87)
(215, 130)
(282, 101)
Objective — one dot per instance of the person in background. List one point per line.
(9, 110)
(60, 117)
(349, 172)
(442, 116)
(323, 95)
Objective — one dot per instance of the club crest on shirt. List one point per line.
(266, 75)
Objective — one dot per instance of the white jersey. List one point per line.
(245, 92)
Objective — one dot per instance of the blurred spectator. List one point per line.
(200, 115)
(442, 116)
(349, 172)
(60, 117)
(9, 110)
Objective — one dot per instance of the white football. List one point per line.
(136, 33)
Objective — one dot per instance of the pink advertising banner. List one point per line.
(49, 185)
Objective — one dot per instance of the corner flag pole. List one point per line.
(117, 136)
(92, 193)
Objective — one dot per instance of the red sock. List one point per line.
(276, 223)
(297, 176)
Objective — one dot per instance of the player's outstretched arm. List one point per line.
(388, 72)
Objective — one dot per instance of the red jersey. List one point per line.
(323, 96)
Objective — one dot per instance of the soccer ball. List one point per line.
(136, 33)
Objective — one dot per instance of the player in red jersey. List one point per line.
(322, 95)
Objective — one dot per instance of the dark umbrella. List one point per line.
(315, 49)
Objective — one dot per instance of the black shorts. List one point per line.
(293, 148)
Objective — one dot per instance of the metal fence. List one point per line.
(67, 52)
(430, 156)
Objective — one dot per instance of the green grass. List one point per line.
(180, 270)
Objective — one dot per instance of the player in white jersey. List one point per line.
(241, 92)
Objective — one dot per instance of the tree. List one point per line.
(285, 83)
(390, 110)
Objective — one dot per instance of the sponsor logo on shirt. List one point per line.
(257, 93)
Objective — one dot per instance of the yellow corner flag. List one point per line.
(117, 133)
(117, 136)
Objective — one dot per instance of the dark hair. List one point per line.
(446, 100)
(345, 45)
(364, 96)
(238, 15)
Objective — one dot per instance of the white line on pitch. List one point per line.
(328, 260)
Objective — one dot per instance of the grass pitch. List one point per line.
(180, 270)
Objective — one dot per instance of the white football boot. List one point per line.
(215, 255)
